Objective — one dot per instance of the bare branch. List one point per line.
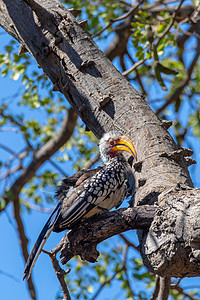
(8, 149)
(187, 79)
(157, 288)
(129, 243)
(164, 288)
(123, 268)
(60, 273)
(106, 282)
(23, 241)
(137, 64)
(177, 287)
(91, 162)
(56, 166)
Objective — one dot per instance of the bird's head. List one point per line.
(112, 143)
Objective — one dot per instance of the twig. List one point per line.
(8, 149)
(126, 270)
(9, 275)
(23, 241)
(157, 288)
(60, 273)
(131, 11)
(106, 282)
(12, 171)
(137, 64)
(129, 243)
(137, 74)
(184, 83)
(42, 155)
(167, 29)
(113, 276)
(39, 208)
(125, 3)
(91, 162)
(56, 166)
(181, 291)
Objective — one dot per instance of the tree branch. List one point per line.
(46, 151)
(187, 79)
(60, 273)
(84, 237)
(130, 12)
(157, 288)
(167, 29)
(164, 288)
(123, 268)
(40, 156)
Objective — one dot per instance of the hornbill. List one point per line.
(89, 192)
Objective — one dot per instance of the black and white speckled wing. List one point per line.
(103, 190)
(68, 186)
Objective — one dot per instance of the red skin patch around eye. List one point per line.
(112, 153)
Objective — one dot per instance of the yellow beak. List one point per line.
(125, 144)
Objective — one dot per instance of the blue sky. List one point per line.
(11, 261)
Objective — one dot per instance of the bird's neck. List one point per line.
(119, 158)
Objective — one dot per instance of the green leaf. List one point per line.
(159, 78)
(166, 70)
(2, 204)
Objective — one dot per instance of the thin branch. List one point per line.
(167, 29)
(12, 171)
(187, 79)
(129, 243)
(39, 158)
(108, 281)
(137, 74)
(56, 166)
(23, 241)
(9, 275)
(46, 151)
(131, 11)
(184, 83)
(181, 291)
(126, 271)
(60, 273)
(91, 162)
(39, 208)
(8, 149)
(137, 64)
(164, 288)
(125, 3)
(157, 288)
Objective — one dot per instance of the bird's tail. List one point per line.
(47, 229)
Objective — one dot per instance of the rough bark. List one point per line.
(177, 220)
(105, 101)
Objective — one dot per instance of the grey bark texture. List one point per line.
(105, 101)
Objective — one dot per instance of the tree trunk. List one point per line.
(105, 101)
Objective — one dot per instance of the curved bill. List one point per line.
(125, 144)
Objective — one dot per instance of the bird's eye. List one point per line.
(111, 142)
